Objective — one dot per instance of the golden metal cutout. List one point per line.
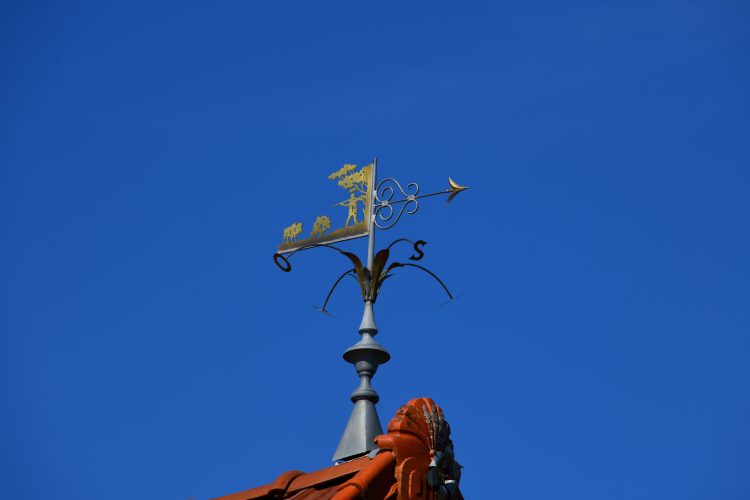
(292, 232)
(359, 185)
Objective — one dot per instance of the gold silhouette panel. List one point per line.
(358, 183)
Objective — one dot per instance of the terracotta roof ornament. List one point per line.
(414, 461)
(367, 354)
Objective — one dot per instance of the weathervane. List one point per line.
(367, 354)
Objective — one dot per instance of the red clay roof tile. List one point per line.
(295, 481)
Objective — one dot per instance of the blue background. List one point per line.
(152, 154)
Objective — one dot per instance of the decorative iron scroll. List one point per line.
(384, 199)
(381, 202)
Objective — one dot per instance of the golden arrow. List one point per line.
(455, 189)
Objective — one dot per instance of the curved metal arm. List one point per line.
(332, 289)
(431, 274)
(400, 239)
(314, 245)
(399, 264)
(278, 256)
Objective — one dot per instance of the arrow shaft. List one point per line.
(410, 198)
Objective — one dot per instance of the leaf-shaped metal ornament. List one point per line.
(392, 266)
(368, 283)
(382, 276)
(378, 264)
(360, 272)
(380, 284)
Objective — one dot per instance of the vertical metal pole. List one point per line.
(366, 355)
(371, 214)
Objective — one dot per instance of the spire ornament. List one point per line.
(378, 207)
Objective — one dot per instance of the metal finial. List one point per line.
(364, 425)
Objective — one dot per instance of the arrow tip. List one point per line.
(455, 189)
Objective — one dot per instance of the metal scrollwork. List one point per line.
(383, 200)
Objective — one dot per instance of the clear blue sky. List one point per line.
(151, 154)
